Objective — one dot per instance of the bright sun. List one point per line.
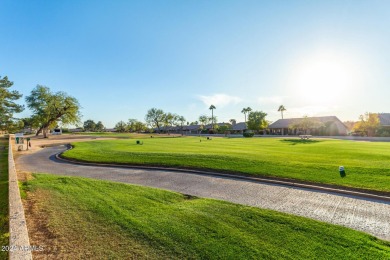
(324, 79)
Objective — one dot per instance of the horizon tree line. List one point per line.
(51, 109)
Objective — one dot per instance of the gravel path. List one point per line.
(371, 216)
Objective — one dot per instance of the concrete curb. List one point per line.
(19, 243)
(290, 183)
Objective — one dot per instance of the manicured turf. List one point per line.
(97, 219)
(123, 135)
(4, 232)
(367, 164)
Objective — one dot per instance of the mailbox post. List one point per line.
(19, 140)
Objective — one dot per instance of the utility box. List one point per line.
(342, 172)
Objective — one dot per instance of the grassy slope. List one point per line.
(3, 196)
(367, 163)
(94, 218)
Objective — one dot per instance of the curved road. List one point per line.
(368, 215)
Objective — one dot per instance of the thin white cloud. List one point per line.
(219, 100)
(277, 100)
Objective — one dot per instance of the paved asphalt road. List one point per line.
(367, 215)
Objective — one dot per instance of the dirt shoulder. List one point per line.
(38, 142)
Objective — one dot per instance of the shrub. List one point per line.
(248, 134)
(385, 134)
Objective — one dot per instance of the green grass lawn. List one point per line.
(122, 135)
(367, 164)
(4, 232)
(97, 219)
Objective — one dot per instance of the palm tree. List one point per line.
(233, 121)
(281, 109)
(245, 111)
(212, 107)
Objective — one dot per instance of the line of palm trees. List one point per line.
(245, 111)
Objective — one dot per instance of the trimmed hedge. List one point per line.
(248, 134)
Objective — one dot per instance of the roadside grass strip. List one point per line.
(367, 164)
(91, 218)
(4, 229)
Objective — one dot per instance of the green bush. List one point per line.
(246, 134)
(385, 134)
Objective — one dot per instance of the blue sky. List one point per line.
(120, 58)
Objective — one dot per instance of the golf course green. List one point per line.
(367, 164)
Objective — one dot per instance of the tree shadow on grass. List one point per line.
(299, 141)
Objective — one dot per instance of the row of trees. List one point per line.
(91, 126)
(157, 118)
(132, 126)
(48, 108)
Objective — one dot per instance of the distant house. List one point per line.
(384, 119)
(192, 129)
(76, 130)
(110, 130)
(239, 128)
(209, 126)
(331, 125)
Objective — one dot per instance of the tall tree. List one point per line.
(203, 120)
(89, 125)
(173, 119)
(99, 127)
(49, 108)
(212, 107)
(139, 126)
(369, 123)
(213, 119)
(7, 104)
(155, 118)
(169, 120)
(246, 110)
(120, 127)
(28, 123)
(182, 120)
(257, 121)
(233, 122)
(281, 109)
(131, 125)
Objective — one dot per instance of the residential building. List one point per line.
(330, 126)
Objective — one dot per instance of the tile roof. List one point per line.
(384, 119)
(239, 126)
(285, 123)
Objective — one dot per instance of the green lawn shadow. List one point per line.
(299, 141)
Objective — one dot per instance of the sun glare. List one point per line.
(324, 79)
